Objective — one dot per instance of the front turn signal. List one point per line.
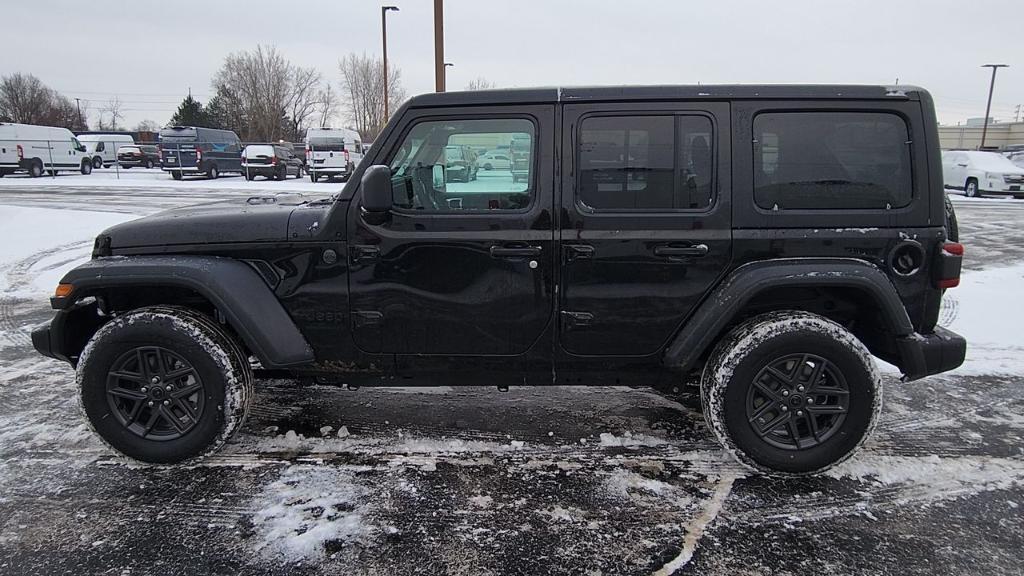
(63, 290)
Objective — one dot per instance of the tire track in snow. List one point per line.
(695, 529)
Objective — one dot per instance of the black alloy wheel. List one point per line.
(155, 393)
(797, 401)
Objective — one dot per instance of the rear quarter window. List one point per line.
(831, 161)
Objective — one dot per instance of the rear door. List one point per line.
(645, 230)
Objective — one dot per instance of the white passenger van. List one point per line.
(103, 147)
(332, 152)
(35, 149)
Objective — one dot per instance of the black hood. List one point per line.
(255, 219)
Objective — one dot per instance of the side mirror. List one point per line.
(437, 175)
(376, 190)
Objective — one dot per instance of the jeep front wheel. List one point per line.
(791, 393)
(164, 384)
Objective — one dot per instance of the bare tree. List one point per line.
(62, 112)
(326, 105)
(362, 79)
(304, 98)
(24, 99)
(480, 83)
(265, 94)
(147, 126)
(112, 109)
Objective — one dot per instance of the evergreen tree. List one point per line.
(190, 113)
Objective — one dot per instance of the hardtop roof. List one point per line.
(670, 92)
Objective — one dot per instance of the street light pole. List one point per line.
(988, 106)
(384, 34)
(439, 45)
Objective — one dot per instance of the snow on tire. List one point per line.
(164, 384)
(790, 393)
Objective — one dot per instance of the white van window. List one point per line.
(327, 143)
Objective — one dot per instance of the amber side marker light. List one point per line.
(63, 290)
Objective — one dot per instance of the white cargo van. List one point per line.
(35, 149)
(332, 152)
(102, 148)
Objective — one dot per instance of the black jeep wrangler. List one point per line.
(768, 240)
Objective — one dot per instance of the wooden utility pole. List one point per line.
(439, 45)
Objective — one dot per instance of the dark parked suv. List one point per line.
(767, 241)
(142, 155)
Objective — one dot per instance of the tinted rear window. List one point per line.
(831, 160)
(650, 163)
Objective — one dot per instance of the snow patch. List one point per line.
(307, 508)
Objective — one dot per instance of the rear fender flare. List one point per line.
(725, 302)
(233, 287)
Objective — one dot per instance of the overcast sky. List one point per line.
(149, 53)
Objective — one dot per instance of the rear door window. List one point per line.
(649, 163)
(831, 161)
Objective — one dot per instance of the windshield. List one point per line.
(992, 161)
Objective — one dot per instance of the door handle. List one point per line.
(515, 251)
(362, 253)
(693, 251)
(578, 252)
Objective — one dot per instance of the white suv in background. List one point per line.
(978, 173)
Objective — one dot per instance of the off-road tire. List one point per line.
(952, 228)
(222, 368)
(753, 346)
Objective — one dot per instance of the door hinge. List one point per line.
(576, 319)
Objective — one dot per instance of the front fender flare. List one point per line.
(232, 286)
(704, 326)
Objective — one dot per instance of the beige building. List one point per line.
(964, 137)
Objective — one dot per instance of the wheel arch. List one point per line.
(851, 292)
(219, 287)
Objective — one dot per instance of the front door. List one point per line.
(464, 263)
(645, 230)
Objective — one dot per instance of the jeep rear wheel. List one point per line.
(790, 393)
(164, 384)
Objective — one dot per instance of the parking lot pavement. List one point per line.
(533, 481)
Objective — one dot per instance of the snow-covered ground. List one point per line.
(62, 239)
(471, 481)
